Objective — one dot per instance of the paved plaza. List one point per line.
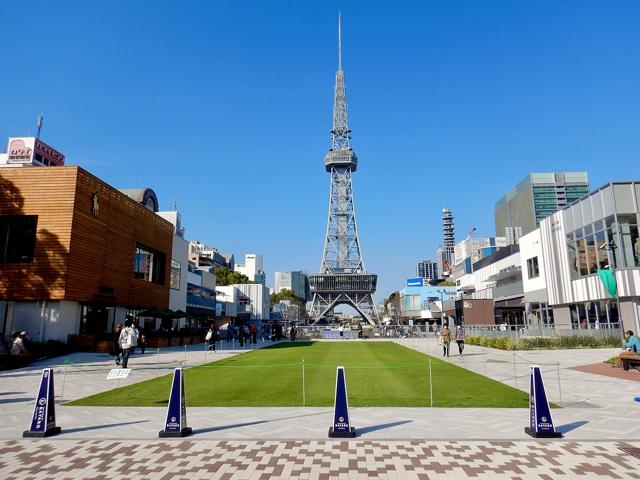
(599, 419)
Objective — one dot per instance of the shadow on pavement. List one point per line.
(382, 426)
(12, 393)
(16, 400)
(98, 427)
(571, 426)
(226, 427)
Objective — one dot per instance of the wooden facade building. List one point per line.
(97, 253)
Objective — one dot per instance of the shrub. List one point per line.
(545, 343)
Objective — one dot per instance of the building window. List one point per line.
(148, 265)
(175, 274)
(532, 267)
(17, 238)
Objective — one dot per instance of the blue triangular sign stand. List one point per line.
(540, 421)
(341, 426)
(176, 423)
(43, 422)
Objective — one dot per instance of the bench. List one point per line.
(629, 359)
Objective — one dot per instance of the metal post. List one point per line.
(559, 385)
(515, 374)
(205, 353)
(304, 395)
(430, 384)
(185, 354)
(158, 363)
(64, 378)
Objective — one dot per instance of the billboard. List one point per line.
(20, 150)
(32, 151)
(414, 282)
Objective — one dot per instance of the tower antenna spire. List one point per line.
(339, 40)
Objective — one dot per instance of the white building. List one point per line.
(253, 268)
(563, 261)
(258, 296)
(179, 263)
(476, 248)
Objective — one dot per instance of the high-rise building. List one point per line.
(440, 263)
(449, 239)
(343, 278)
(537, 196)
(297, 281)
(252, 268)
(427, 269)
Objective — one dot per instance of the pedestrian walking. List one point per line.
(253, 330)
(210, 338)
(117, 350)
(128, 340)
(460, 339)
(445, 335)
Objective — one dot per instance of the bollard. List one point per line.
(430, 385)
(559, 385)
(304, 395)
(43, 420)
(175, 424)
(64, 378)
(341, 421)
(540, 420)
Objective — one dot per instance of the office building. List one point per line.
(536, 197)
(297, 281)
(427, 269)
(252, 268)
(449, 240)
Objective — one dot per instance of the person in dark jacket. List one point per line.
(117, 350)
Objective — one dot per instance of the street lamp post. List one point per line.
(611, 248)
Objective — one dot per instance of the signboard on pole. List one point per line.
(540, 421)
(43, 422)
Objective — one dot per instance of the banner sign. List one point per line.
(43, 422)
(176, 423)
(540, 421)
(341, 425)
(335, 334)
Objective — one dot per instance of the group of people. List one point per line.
(126, 339)
(244, 332)
(446, 336)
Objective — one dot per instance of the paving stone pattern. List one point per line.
(188, 459)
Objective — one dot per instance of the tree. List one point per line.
(286, 294)
(225, 277)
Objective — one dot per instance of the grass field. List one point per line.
(380, 374)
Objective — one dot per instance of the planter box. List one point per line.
(82, 342)
(156, 342)
(104, 346)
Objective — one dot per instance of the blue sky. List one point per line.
(225, 107)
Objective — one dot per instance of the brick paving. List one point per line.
(317, 459)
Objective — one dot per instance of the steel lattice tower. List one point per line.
(342, 278)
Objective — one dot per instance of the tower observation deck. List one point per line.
(343, 278)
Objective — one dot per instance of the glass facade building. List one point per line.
(536, 197)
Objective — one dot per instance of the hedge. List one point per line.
(545, 343)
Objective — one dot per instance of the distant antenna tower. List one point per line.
(40, 119)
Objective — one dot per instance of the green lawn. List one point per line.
(380, 374)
